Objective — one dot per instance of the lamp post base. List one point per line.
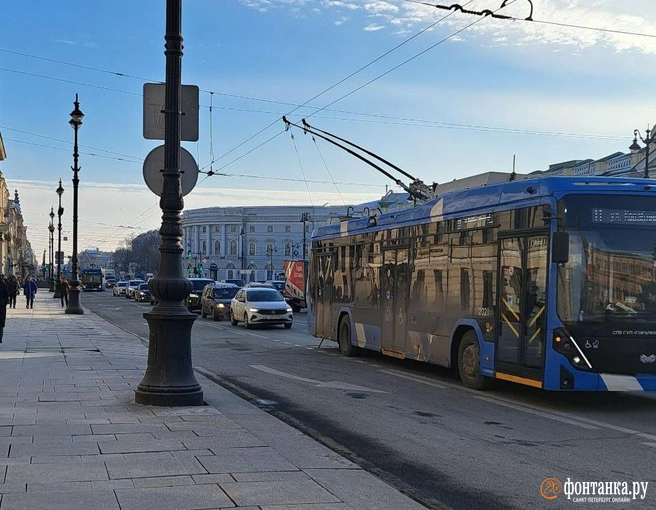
(169, 378)
(74, 306)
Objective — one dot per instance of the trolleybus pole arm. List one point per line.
(306, 126)
(398, 182)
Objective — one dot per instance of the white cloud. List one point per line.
(604, 14)
(373, 27)
(380, 6)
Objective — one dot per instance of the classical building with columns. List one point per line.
(250, 243)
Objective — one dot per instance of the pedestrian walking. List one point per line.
(30, 291)
(12, 284)
(4, 301)
(63, 287)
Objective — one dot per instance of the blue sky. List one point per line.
(543, 92)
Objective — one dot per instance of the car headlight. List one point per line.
(253, 310)
(193, 296)
(289, 310)
(220, 305)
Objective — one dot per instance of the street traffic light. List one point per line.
(189, 254)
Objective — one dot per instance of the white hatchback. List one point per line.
(260, 305)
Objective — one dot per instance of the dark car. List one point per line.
(215, 300)
(142, 293)
(197, 285)
(236, 281)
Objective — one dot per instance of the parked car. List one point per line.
(131, 287)
(251, 285)
(236, 281)
(260, 305)
(142, 293)
(197, 285)
(215, 300)
(119, 288)
(279, 285)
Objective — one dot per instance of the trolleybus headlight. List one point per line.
(565, 344)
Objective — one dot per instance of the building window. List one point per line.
(233, 247)
(251, 228)
(251, 249)
(269, 248)
(288, 228)
(270, 228)
(288, 249)
(204, 247)
(204, 229)
(217, 247)
(233, 228)
(217, 229)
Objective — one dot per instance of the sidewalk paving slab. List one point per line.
(71, 435)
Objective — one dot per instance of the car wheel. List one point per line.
(202, 312)
(233, 321)
(469, 363)
(288, 325)
(247, 325)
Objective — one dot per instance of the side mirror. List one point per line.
(560, 247)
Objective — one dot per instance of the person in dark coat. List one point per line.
(13, 290)
(30, 292)
(63, 287)
(4, 301)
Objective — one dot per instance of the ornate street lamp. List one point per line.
(60, 212)
(650, 137)
(169, 379)
(51, 229)
(74, 306)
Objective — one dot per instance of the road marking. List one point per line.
(414, 378)
(544, 414)
(336, 385)
(236, 331)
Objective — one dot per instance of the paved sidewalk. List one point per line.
(72, 437)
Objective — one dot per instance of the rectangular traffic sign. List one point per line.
(153, 110)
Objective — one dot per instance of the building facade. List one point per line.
(250, 243)
(16, 255)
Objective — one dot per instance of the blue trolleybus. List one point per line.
(92, 278)
(548, 282)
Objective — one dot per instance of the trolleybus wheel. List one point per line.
(345, 345)
(469, 363)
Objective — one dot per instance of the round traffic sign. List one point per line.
(154, 164)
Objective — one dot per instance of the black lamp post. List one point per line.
(305, 217)
(74, 306)
(650, 136)
(60, 212)
(169, 379)
(51, 229)
(270, 251)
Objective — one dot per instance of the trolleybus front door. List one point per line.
(394, 286)
(521, 309)
(323, 304)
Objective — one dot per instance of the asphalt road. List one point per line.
(415, 426)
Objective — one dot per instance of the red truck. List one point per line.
(295, 283)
